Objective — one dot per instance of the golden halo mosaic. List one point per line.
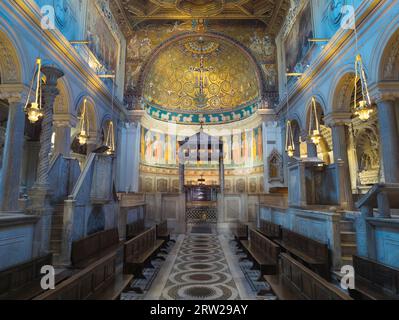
(201, 75)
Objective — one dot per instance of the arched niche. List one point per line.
(10, 66)
(93, 135)
(389, 63)
(296, 133)
(324, 148)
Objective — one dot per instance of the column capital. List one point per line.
(384, 91)
(52, 75)
(267, 115)
(333, 119)
(135, 115)
(64, 120)
(14, 93)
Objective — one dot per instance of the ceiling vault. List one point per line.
(130, 13)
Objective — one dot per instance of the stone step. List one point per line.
(56, 233)
(58, 220)
(347, 260)
(55, 246)
(348, 237)
(348, 249)
(347, 225)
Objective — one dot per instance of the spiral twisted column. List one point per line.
(49, 93)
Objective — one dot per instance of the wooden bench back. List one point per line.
(312, 248)
(18, 276)
(309, 284)
(270, 229)
(86, 282)
(263, 246)
(242, 230)
(162, 228)
(94, 244)
(377, 274)
(135, 228)
(140, 244)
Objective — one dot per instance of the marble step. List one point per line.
(347, 260)
(348, 249)
(56, 233)
(347, 225)
(55, 246)
(348, 237)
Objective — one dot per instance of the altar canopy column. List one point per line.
(337, 122)
(13, 147)
(221, 173)
(181, 177)
(389, 139)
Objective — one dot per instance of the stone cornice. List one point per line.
(267, 115)
(337, 118)
(385, 91)
(135, 115)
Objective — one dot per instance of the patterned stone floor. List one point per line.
(200, 267)
(200, 272)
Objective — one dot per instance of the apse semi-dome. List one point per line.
(201, 78)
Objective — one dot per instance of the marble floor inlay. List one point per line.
(200, 271)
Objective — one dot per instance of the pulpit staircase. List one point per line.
(348, 241)
(63, 175)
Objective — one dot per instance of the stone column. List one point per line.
(389, 140)
(13, 150)
(129, 162)
(62, 143)
(221, 173)
(40, 193)
(181, 177)
(337, 122)
(49, 93)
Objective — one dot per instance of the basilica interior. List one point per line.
(199, 150)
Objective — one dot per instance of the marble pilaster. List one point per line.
(13, 149)
(389, 139)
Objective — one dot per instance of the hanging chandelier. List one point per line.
(34, 109)
(289, 140)
(314, 125)
(84, 126)
(363, 108)
(110, 139)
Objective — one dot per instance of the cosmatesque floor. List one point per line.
(200, 267)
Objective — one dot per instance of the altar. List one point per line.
(201, 204)
(201, 150)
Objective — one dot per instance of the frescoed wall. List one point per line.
(243, 149)
(103, 43)
(296, 44)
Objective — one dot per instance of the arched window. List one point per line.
(275, 163)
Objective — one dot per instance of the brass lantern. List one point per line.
(363, 108)
(34, 110)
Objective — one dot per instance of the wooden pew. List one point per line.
(163, 231)
(311, 253)
(374, 280)
(269, 229)
(135, 228)
(97, 281)
(262, 251)
(305, 283)
(90, 249)
(22, 282)
(139, 251)
(240, 232)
